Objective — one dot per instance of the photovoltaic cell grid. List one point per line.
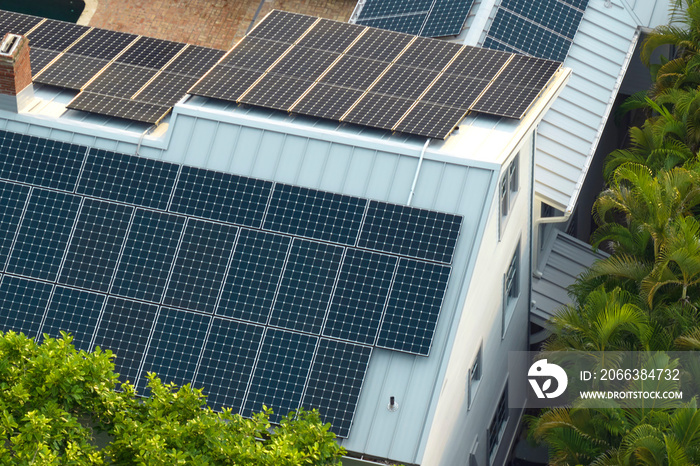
(429, 18)
(369, 77)
(99, 255)
(542, 29)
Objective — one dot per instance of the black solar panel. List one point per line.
(71, 71)
(200, 266)
(121, 80)
(331, 36)
(43, 234)
(478, 63)
(148, 254)
(166, 89)
(276, 91)
(255, 270)
(408, 231)
(379, 110)
(39, 58)
(431, 119)
(129, 179)
(453, 90)
(428, 54)
(335, 381)
(414, 306)
(195, 60)
(315, 214)
(75, 312)
(408, 23)
(94, 248)
(360, 296)
(13, 198)
(227, 363)
(102, 44)
(405, 82)
(380, 45)
(278, 381)
(306, 286)
(512, 101)
(174, 348)
(16, 23)
(255, 54)
(282, 26)
(124, 329)
(22, 304)
(55, 35)
(150, 53)
(119, 107)
(221, 196)
(226, 83)
(305, 63)
(327, 101)
(354, 72)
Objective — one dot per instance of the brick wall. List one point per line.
(15, 69)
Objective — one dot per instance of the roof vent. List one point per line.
(16, 90)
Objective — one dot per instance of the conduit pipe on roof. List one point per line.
(415, 178)
(543, 220)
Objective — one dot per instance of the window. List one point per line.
(508, 188)
(511, 288)
(473, 461)
(498, 425)
(474, 376)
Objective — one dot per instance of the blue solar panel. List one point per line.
(408, 23)
(306, 286)
(424, 234)
(43, 235)
(414, 305)
(175, 346)
(446, 18)
(129, 179)
(315, 214)
(94, 248)
(227, 363)
(39, 161)
(429, 18)
(75, 312)
(221, 196)
(252, 278)
(150, 249)
(360, 296)
(282, 367)
(200, 265)
(335, 381)
(13, 197)
(551, 14)
(22, 304)
(124, 329)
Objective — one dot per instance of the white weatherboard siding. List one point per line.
(569, 133)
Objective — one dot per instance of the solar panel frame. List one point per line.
(75, 312)
(305, 63)
(150, 52)
(17, 23)
(282, 26)
(121, 80)
(23, 304)
(455, 91)
(200, 265)
(43, 234)
(226, 83)
(428, 54)
(378, 110)
(118, 107)
(407, 23)
(95, 244)
(404, 82)
(102, 44)
(13, 198)
(380, 45)
(432, 120)
(447, 18)
(276, 91)
(55, 35)
(166, 89)
(331, 36)
(71, 71)
(354, 72)
(254, 53)
(195, 60)
(328, 101)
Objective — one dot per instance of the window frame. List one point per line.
(511, 289)
(497, 425)
(474, 376)
(508, 189)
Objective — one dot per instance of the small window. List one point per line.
(473, 460)
(508, 188)
(511, 288)
(498, 425)
(474, 376)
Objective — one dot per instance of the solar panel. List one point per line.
(150, 53)
(254, 54)
(282, 26)
(327, 101)
(379, 110)
(446, 18)
(195, 60)
(360, 296)
(372, 8)
(13, 198)
(315, 214)
(380, 45)
(124, 329)
(16, 23)
(95, 244)
(550, 14)
(102, 44)
(478, 63)
(227, 363)
(174, 348)
(404, 81)
(166, 89)
(149, 251)
(283, 364)
(431, 119)
(39, 161)
(354, 72)
(118, 107)
(428, 54)
(333, 391)
(200, 266)
(75, 312)
(256, 267)
(306, 286)
(55, 35)
(43, 234)
(39, 58)
(226, 83)
(276, 91)
(305, 63)
(413, 307)
(126, 178)
(22, 304)
(121, 80)
(454, 90)
(331, 36)
(409, 231)
(71, 71)
(221, 196)
(408, 23)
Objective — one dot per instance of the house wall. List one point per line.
(457, 426)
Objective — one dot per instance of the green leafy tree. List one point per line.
(56, 401)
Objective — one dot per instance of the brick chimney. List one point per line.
(16, 90)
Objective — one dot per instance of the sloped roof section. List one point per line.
(569, 133)
(566, 259)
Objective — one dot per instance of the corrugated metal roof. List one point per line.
(566, 258)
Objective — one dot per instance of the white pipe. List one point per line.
(415, 178)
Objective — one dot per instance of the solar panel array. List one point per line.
(259, 292)
(543, 29)
(371, 77)
(428, 18)
(121, 75)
